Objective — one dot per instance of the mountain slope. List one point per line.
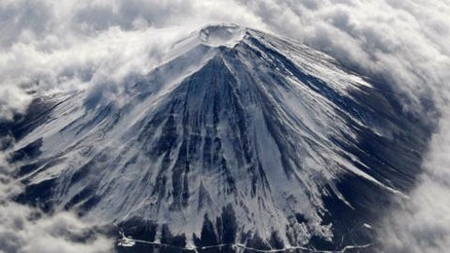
(238, 136)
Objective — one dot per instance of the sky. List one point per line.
(50, 46)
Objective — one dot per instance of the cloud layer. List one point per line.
(25, 229)
(48, 46)
(405, 42)
(421, 223)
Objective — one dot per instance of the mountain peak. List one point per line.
(227, 35)
(238, 136)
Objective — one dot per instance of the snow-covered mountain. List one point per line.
(238, 136)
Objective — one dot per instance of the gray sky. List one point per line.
(66, 45)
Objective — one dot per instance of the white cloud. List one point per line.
(13, 100)
(421, 223)
(24, 229)
(404, 41)
(83, 44)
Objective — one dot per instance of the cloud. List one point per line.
(25, 229)
(13, 100)
(403, 41)
(22, 230)
(421, 223)
(48, 46)
(77, 61)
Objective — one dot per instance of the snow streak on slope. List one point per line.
(234, 125)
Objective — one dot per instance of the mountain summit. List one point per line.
(222, 35)
(237, 138)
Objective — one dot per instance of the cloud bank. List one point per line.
(421, 223)
(25, 229)
(48, 46)
(405, 42)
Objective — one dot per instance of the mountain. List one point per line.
(238, 138)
